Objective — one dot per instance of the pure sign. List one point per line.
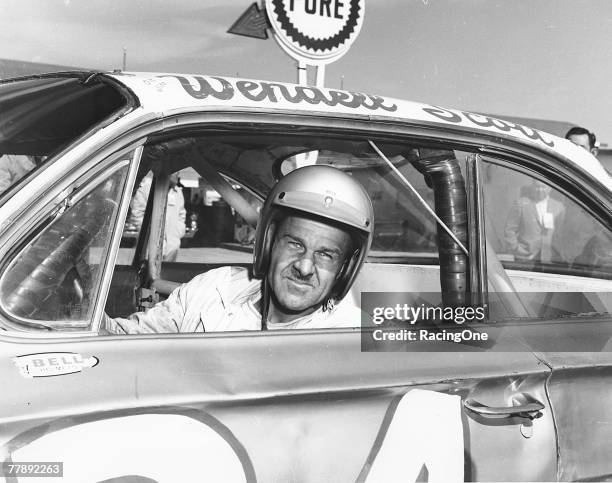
(315, 31)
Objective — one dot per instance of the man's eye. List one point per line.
(294, 244)
(325, 256)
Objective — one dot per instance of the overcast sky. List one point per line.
(548, 59)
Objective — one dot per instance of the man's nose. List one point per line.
(304, 266)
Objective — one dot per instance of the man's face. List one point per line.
(583, 141)
(540, 190)
(305, 262)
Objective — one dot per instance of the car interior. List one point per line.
(422, 245)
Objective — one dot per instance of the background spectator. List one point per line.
(584, 138)
(174, 228)
(531, 224)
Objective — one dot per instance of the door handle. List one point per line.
(523, 406)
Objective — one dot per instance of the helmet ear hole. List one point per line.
(345, 273)
(346, 265)
(268, 243)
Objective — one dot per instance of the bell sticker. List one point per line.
(53, 363)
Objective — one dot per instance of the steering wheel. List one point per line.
(39, 289)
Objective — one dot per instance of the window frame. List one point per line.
(321, 128)
(459, 139)
(73, 192)
(584, 201)
(136, 127)
(561, 180)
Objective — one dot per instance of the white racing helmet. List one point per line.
(326, 193)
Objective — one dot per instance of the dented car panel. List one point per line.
(284, 406)
(312, 409)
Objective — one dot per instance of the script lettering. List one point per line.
(226, 92)
(443, 114)
(486, 121)
(246, 88)
(272, 92)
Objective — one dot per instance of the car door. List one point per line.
(308, 405)
(569, 297)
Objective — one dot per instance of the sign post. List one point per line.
(315, 32)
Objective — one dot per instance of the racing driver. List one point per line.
(312, 238)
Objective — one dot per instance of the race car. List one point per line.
(471, 211)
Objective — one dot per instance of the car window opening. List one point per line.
(419, 197)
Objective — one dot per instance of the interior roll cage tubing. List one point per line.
(451, 216)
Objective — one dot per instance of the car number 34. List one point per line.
(424, 436)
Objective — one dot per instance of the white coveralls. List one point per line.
(223, 299)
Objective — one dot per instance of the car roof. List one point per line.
(166, 93)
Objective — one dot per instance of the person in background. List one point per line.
(584, 138)
(174, 228)
(175, 220)
(532, 222)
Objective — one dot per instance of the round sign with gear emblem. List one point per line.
(315, 31)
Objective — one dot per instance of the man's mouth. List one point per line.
(299, 283)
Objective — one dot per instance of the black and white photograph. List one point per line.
(305, 241)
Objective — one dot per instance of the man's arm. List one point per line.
(181, 311)
(164, 317)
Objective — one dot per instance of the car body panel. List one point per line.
(296, 418)
(306, 405)
(171, 93)
(580, 397)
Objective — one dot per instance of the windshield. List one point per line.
(41, 116)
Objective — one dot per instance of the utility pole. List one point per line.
(124, 58)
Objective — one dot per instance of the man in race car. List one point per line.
(313, 235)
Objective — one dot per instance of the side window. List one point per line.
(223, 177)
(534, 227)
(55, 277)
(201, 231)
(551, 248)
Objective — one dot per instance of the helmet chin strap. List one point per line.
(329, 304)
(265, 303)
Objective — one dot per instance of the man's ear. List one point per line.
(594, 151)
